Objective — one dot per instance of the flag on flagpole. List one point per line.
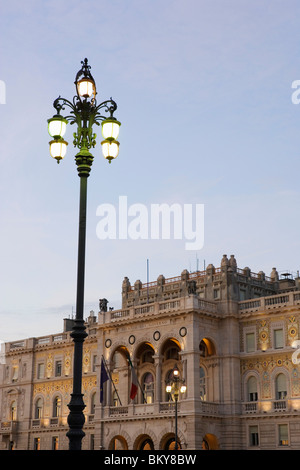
(134, 381)
(103, 378)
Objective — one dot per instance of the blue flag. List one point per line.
(103, 378)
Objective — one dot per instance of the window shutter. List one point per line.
(278, 338)
(250, 342)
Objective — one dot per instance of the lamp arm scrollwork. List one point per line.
(85, 115)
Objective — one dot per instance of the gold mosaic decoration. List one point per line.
(292, 329)
(63, 386)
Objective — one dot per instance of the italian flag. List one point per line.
(134, 381)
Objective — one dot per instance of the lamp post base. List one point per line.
(76, 421)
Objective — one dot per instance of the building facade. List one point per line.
(231, 333)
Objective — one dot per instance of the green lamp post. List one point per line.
(173, 387)
(85, 113)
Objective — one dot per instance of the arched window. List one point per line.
(148, 387)
(207, 348)
(170, 350)
(147, 356)
(56, 407)
(280, 387)
(147, 444)
(38, 408)
(202, 384)
(172, 353)
(252, 389)
(210, 442)
(171, 444)
(118, 443)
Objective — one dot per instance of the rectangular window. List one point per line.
(37, 443)
(283, 435)
(250, 342)
(242, 294)
(92, 442)
(278, 338)
(216, 293)
(253, 436)
(253, 396)
(58, 368)
(41, 370)
(55, 443)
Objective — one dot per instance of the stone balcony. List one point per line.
(9, 427)
(159, 409)
(271, 406)
(187, 303)
(262, 304)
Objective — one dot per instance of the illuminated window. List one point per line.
(283, 435)
(280, 387)
(38, 408)
(13, 411)
(55, 443)
(147, 444)
(37, 443)
(171, 444)
(56, 407)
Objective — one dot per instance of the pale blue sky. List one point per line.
(204, 96)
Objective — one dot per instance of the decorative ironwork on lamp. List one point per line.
(85, 112)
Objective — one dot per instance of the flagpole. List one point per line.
(144, 400)
(108, 371)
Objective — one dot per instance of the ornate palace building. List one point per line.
(229, 331)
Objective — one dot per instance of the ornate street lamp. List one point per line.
(84, 112)
(174, 386)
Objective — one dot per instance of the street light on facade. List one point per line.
(84, 112)
(174, 386)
